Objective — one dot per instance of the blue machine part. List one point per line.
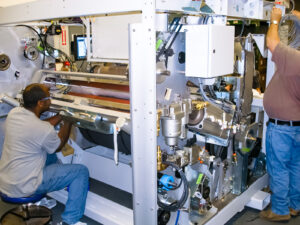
(166, 181)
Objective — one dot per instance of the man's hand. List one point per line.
(276, 14)
(272, 35)
(64, 134)
(296, 13)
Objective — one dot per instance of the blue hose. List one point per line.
(177, 218)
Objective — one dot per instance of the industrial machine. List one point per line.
(160, 93)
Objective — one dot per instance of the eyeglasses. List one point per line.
(46, 98)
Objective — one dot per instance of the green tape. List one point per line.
(158, 43)
(40, 48)
(199, 178)
(245, 149)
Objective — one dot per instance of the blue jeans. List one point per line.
(58, 176)
(283, 166)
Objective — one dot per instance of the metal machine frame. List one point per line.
(143, 107)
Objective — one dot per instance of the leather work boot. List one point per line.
(270, 216)
(294, 212)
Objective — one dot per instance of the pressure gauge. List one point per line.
(31, 53)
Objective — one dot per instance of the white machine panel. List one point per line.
(110, 36)
(209, 50)
(218, 6)
(246, 8)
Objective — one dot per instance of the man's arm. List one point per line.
(286, 58)
(296, 13)
(64, 134)
(54, 120)
(272, 35)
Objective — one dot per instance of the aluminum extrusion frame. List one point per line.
(143, 115)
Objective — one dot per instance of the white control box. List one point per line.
(209, 50)
(110, 37)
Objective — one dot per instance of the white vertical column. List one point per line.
(143, 115)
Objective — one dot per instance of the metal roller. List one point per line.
(4, 62)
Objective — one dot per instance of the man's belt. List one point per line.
(287, 123)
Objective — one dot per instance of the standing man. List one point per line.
(25, 168)
(282, 104)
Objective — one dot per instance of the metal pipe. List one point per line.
(9, 100)
(91, 75)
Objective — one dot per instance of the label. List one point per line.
(63, 36)
(199, 178)
(168, 94)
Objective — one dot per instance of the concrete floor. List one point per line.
(247, 217)
(251, 217)
(57, 210)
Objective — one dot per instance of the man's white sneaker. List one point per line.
(78, 223)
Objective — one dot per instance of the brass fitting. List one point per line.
(158, 115)
(199, 104)
(160, 165)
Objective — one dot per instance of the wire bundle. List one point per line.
(48, 50)
(177, 204)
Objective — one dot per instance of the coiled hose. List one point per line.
(177, 204)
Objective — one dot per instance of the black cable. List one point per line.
(233, 144)
(175, 22)
(174, 38)
(46, 46)
(41, 40)
(123, 142)
(92, 70)
(177, 204)
(60, 51)
(178, 186)
(211, 91)
(291, 8)
(172, 188)
(222, 104)
(206, 19)
(243, 27)
(167, 51)
(81, 65)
